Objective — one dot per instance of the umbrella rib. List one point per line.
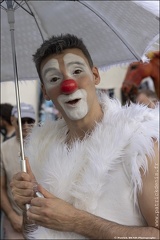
(20, 5)
(32, 14)
(35, 20)
(5, 9)
(111, 27)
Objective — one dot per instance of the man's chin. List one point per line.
(77, 116)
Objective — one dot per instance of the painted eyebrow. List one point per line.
(48, 70)
(78, 63)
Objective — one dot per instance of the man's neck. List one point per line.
(82, 128)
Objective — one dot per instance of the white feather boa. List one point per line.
(101, 173)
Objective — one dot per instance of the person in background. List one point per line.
(147, 97)
(96, 165)
(7, 130)
(10, 164)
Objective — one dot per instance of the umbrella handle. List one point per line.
(23, 165)
(38, 194)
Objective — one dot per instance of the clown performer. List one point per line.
(96, 166)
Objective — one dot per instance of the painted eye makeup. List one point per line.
(54, 79)
(77, 71)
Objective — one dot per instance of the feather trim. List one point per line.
(83, 174)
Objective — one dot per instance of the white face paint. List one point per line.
(51, 74)
(75, 104)
(76, 67)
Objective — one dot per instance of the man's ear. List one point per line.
(96, 75)
(46, 97)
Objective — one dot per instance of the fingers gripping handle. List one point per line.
(27, 206)
(24, 169)
(38, 194)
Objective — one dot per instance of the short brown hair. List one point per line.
(55, 45)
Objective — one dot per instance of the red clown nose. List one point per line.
(68, 86)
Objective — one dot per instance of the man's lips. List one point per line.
(73, 102)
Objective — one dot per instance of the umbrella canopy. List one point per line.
(114, 31)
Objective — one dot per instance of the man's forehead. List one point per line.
(59, 56)
(64, 59)
(73, 58)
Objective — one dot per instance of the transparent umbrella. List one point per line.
(115, 32)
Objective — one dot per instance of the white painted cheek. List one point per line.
(70, 57)
(80, 110)
(48, 86)
(78, 113)
(52, 63)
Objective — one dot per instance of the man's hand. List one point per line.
(22, 186)
(52, 212)
(16, 221)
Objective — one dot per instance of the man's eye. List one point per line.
(77, 71)
(54, 79)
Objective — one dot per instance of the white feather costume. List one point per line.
(101, 173)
